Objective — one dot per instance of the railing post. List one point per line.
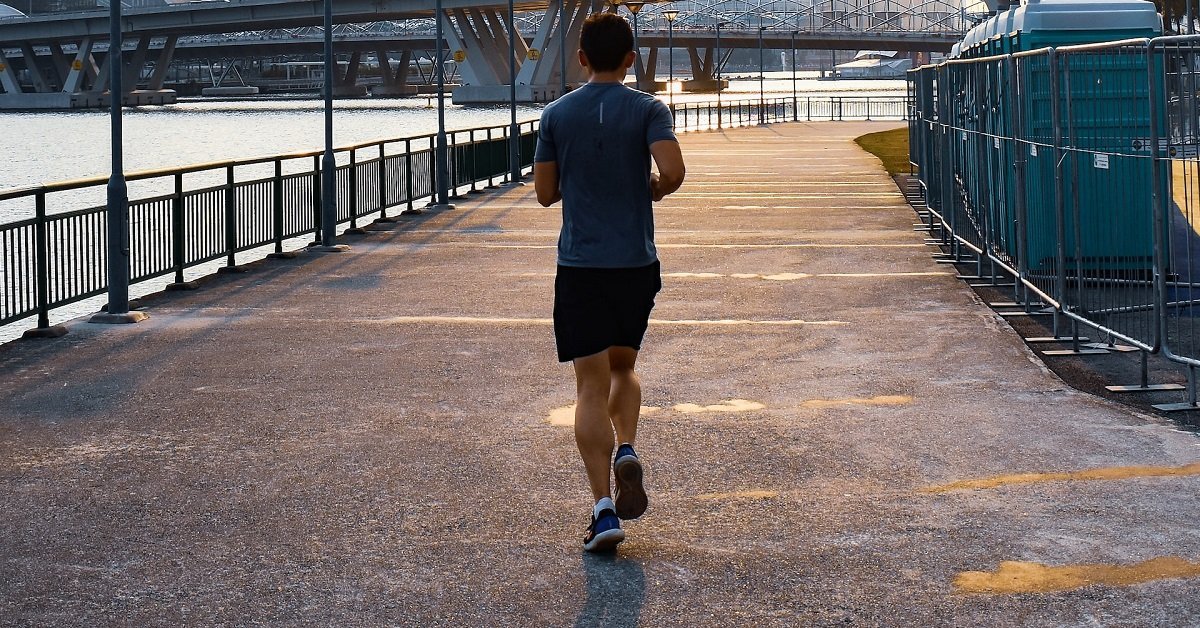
(179, 238)
(316, 200)
(1060, 258)
(474, 165)
(868, 108)
(353, 193)
(277, 213)
(43, 330)
(231, 224)
(383, 185)
(408, 178)
(43, 263)
(433, 173)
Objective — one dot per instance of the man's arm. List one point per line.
(545, 182)
(671, 170)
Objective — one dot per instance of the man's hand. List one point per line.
(656, 187)
(671, 170)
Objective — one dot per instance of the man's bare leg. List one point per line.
(593, 428)
(625, 393)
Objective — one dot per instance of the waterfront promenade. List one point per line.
(836, 433)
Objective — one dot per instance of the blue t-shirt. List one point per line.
(600, 137)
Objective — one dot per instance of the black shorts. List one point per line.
(598, 308)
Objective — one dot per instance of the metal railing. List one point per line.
(181, 218)
(1074, 171)
(198, 214)
(748, 112)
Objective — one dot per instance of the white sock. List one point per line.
(605, 503)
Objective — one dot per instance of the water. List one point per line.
(44, 147)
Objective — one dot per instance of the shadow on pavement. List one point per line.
(616, 589)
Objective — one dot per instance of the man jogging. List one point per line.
(593, 152)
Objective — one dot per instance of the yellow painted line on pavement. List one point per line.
(502, 320)
(785, 184)
(1106, 473)
(707, 246)
(882, 400)
(895, 195)
(732, 405)
(1027, 577)
(772, 277)
(739, 495)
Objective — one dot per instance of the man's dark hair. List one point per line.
(606, 38)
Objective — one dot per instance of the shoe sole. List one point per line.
(631, 497)
(605, 541)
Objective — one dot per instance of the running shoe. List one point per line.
(605, 532)
(630, 497)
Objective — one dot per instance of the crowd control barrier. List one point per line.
(1074, 171)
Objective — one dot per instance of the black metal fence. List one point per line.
(57, 258)
(185, 217)
(1073, 170)
(747, 112)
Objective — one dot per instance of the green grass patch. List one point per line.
(891, 147)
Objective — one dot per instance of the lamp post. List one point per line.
(514, 133)
(328, 164)
(118, 191)
(717, 71)
(795, 99)
(671, 15)
(762, 100)
(635, 7)
(442, 165)
(563, 25)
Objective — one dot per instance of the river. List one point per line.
(43, 147)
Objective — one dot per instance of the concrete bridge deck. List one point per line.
(378, 437)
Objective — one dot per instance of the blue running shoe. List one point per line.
(605, 533)
(630, 497)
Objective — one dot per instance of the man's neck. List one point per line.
(608, 77)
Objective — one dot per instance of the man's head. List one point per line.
(606, 40)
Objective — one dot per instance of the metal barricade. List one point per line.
(1075, 170)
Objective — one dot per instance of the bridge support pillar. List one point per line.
(347, 85)
(481, 37)
(704, 72)
(74, 82)
(395, 83)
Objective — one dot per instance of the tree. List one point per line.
(1175, 13)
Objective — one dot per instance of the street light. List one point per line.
(442, 165)
(514, 133)
(635, 7)
(795, 100)
(762, 101)
(717, 71)
(671, 15)
(563, 25)
(118, 190)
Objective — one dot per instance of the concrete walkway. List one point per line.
(379, 437)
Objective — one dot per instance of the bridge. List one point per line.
(62, 57)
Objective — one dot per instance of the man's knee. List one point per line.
(621, 360)
(592, 376)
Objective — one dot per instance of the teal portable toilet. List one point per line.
(1109, 114)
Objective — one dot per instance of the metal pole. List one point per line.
(118, 191)
(328, 164)
(442, 166)
(762, 103)
(717, 71)
(563, 25)
(514, 134)
(795, 97)
(671, 63)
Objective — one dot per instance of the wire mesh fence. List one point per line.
(1074, 170)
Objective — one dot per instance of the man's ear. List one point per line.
(629, 59)
(583, 60)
